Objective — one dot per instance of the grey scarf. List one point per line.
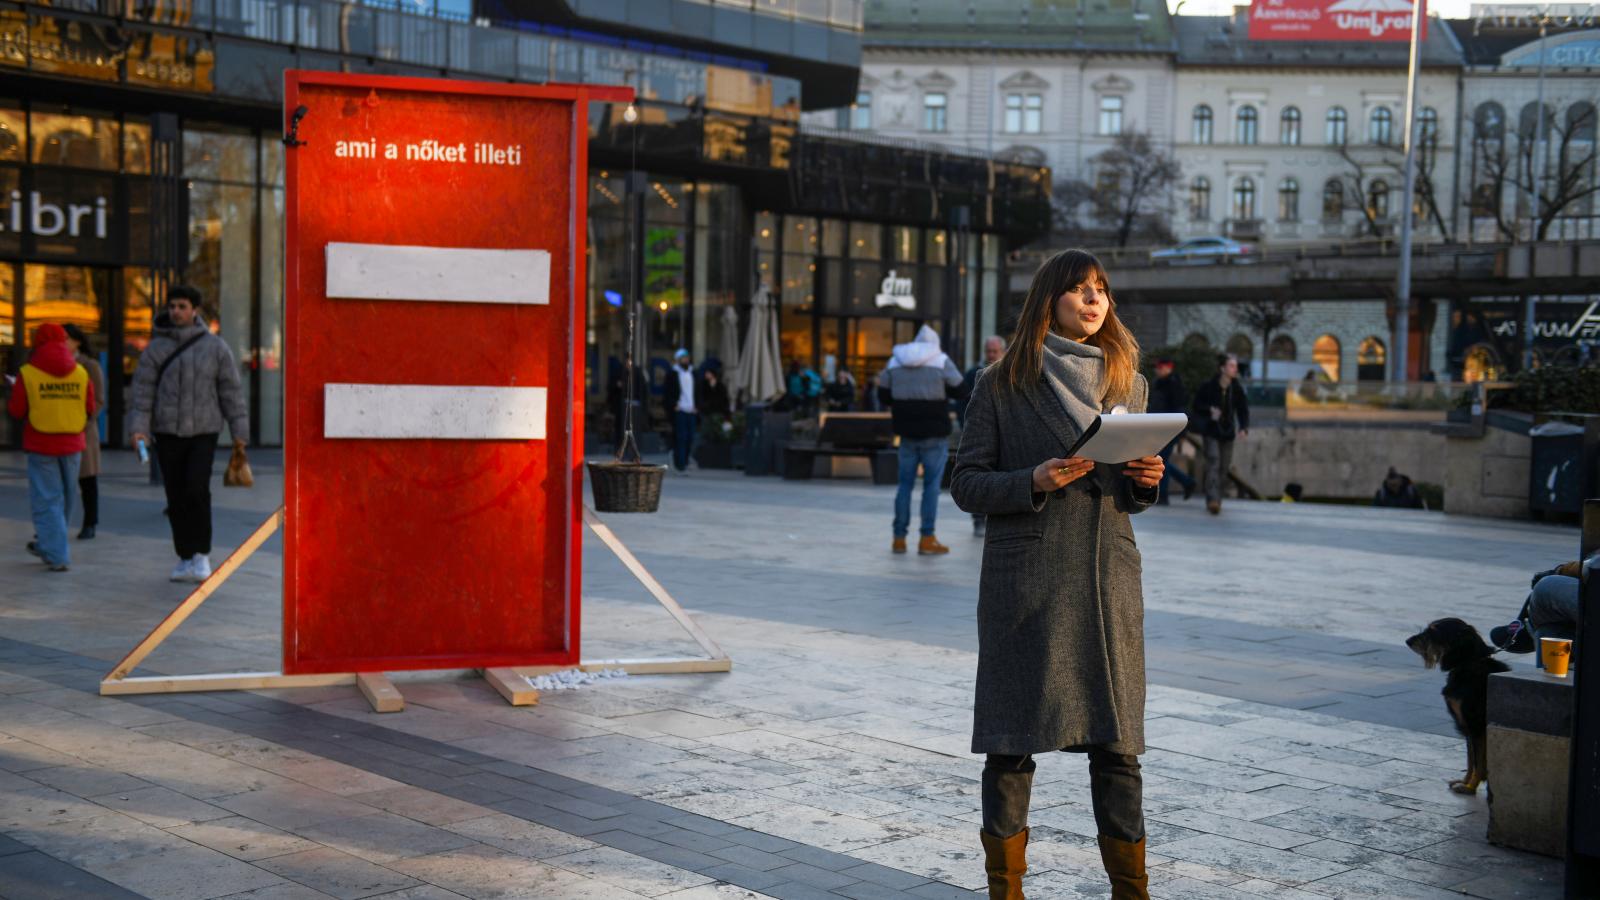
(1076, 373)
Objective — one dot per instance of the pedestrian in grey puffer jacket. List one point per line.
(191, 399)
(199, 391)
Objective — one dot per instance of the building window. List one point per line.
(1024, 113)
(934, 106)
(1243, 349)
(1200, 199)
(1380, 126)
(1282, 348)
(1428, 126)
(1333, 201)
(1203, 123)
(1289, 200)
(1581, 122)
(861, 111)
(1338, 126)
(1325, 353)
(1378, 200)
(1110, 115)
(1197, 341)
(1244, 199)
(1371, 356)
(1246, 124)
(1289, 126)
(1489, 122)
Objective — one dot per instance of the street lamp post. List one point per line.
(1402, 300)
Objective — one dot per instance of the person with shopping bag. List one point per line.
(186, 386)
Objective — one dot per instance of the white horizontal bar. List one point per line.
(453, 274)
(429, 411)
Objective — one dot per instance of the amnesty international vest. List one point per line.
(57, 404)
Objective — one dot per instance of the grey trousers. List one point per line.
(1116, 790)
(1219, 459)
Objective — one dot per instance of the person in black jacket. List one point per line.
(617, 400)
(1223, 414)
(1167, 395)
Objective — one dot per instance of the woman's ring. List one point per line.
(1064, 470)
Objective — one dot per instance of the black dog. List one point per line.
(1455, 647)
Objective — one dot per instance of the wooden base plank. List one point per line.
(512, 686)
(380, 692)
(234, 681)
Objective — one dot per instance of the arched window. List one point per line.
(1282, 348)
(1244, 198)
(1380, 126)
(1245, 125)
(1338, 126)
(1428, 126)
(1203, 124)
(1242, 348)
(1200, 199)
(1528, 122)
(1197, 341)
(1371, 355)
(1289, 200)
(1289, 126)
(1581, 121)
(1489, 122)
(1378, 200)
(1325, 353)
(1333, 200)
(1482, 363)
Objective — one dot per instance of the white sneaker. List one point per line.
(199, 567)
(181, 571)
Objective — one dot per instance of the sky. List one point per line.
(1450, 9)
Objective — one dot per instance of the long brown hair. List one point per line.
(1021, 366)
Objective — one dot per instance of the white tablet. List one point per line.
(1119, 438)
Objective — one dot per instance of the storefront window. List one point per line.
(936, 248)
(903, 243)
(834, 236)
(13, 134)
(138, 315)
(8, 308)
(219, 155)
(10, 180)
(82, 140)
(268, 356)
(718, 235)
(866, 240)
(800, 244)
(63, 294)
(222, 262)
(136, 146)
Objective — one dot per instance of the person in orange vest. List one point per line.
(52, 395)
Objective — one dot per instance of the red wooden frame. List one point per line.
(564, 439)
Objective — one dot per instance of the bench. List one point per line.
(866, 434)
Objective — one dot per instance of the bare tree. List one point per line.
(1367, 161)
(1568, 176)
(1265, 317)
(1129, 195)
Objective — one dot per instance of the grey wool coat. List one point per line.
(1060, 602)
(198, 393)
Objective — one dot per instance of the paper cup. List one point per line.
(1555, 653)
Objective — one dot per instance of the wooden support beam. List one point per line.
(512, 686)
(233, 681)
(198, 596)
(380, 692)
(633, 565)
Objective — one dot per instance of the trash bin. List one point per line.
(762, 428)
(1557, 476)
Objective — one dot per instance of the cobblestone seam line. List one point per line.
(749, 859)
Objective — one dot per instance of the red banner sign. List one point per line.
(433, 404)
(1333, 20)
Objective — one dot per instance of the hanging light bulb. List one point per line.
(631, 114)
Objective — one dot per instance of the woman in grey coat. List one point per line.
(1060, 609)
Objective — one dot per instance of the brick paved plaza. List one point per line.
(1297, 749)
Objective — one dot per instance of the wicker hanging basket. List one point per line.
(626, 487)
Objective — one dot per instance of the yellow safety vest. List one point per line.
(57, 404)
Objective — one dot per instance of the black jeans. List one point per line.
(186, 464)
(90, 488)
(1115, 788)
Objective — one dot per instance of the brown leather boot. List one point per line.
(899, 545)
(1005, 861)
(1124, 862)
(930, 546)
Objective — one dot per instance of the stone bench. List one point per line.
(1530, 733)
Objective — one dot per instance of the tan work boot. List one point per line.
(1214, 506)
(899, 545)
(930, 546)
(1005, 861)
(1124, 862)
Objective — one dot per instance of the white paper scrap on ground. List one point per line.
(572, 679)
(451, 274)
(422, 411)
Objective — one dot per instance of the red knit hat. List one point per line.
(49, 333)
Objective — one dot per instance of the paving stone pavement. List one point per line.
(1296, 749)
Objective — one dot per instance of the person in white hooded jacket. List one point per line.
(916, 386)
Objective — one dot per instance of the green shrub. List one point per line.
(1551, 389)
(1195, 365)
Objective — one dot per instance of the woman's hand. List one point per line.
(1053, 474)
(1146, 472)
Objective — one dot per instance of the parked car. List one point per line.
(1205, 251)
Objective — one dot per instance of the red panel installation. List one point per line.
(434, 390)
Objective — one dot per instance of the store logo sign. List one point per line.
(53, 219)
(1585, 327)
(896, 292)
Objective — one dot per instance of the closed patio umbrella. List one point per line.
(760, 368)
(728, 348)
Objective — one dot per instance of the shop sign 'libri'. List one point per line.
(1333, 20)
